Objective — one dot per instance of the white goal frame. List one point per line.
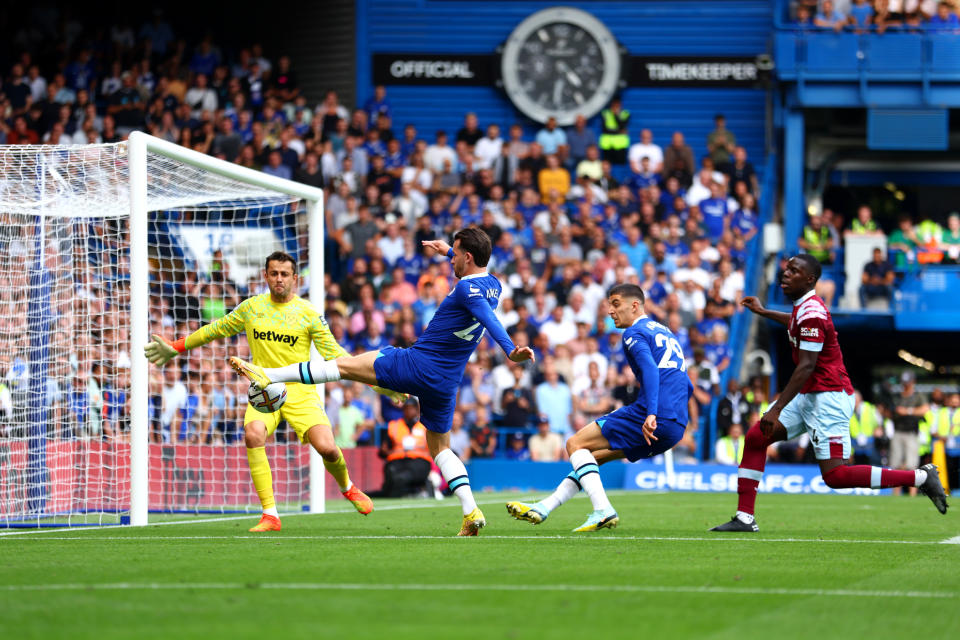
(139, 144)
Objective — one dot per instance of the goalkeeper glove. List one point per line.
(160, 352)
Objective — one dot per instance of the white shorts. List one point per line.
(825, 415)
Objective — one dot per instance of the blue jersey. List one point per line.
(657, 360)
(459, 323)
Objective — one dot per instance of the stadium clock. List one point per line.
(560, 62)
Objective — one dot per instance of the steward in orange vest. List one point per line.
(408, 458)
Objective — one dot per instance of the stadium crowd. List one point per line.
(570, 212)
(862, 16)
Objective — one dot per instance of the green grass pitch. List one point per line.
(821, 567)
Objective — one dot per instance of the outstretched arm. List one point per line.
(477, 305)
(753, 303)
(160, 351)
(439, 246)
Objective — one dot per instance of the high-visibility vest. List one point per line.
(859, 227)
(611, 138)
(923, 432)
(928, 232)
(818, 245)
(407, 442)
(727, 443)
(948, 426)
(865, 423)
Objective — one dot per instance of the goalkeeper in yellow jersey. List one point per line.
(280, 327)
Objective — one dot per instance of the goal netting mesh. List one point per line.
(65, 335)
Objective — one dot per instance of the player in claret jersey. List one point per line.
(818, 398)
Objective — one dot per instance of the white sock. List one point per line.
(313, 372)
(455, 474)
(566, 490)
(746, 518)
(588, 472)
(921, 477)
(272, 511)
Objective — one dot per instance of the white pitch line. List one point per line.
(324, 586)
(546, 538)
(953, 540)
(423, 504)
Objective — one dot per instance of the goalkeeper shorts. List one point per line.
(302, 410)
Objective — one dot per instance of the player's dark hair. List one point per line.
(477, 243)
(280, 256)
(811, 264)
(626, 290)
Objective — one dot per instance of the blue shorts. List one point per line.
(623, 429)
(410, 371)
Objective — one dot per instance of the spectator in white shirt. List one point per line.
(488, 148)
(645, 149)
(200, 97)
(692, 271)
(581, 362)
(438, 153)
(557, 329)
(391, 243)
(174, 399)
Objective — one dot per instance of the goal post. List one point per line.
(140, 145)
(130, 218)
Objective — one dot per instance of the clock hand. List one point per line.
(558, 91)
(573, 78)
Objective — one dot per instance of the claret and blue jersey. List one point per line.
(433, 367)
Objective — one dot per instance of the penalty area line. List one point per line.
(323, 586)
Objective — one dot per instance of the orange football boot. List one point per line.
(360, 500)
(267, 523)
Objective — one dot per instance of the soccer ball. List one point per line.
(269, 399)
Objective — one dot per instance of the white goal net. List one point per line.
(91, 263)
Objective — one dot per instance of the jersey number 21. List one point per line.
(467, 334)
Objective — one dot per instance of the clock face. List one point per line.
(560, 62)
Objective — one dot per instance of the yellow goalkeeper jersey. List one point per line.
(278, 334)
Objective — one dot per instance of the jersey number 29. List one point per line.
(673, 348)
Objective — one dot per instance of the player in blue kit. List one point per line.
(432, 367)
(649, 426)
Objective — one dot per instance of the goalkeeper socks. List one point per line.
(588, 473)
(313, 372)
(338, 470)
(751, 469)
(262, 479)
(848, 477)
(453, 471)
(568, 488)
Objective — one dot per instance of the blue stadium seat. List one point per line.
(944, 54)
(894, 52)
(832, 54)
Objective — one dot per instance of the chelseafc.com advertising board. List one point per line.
(711, 478)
